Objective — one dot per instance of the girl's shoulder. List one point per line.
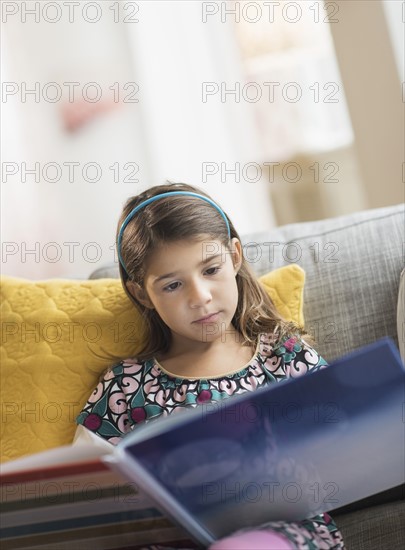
(276, 342)
(289, 347)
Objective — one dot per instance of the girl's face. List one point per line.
(192, 286)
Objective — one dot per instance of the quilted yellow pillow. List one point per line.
(285, 286)
(58, 336)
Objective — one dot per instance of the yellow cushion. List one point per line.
(285, 286)
(58, 336)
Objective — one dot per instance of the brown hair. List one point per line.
(184, 217)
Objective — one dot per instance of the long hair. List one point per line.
(180, 217)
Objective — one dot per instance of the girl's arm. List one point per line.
(83, 436)
(105, 415)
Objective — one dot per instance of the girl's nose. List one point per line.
(199, 294)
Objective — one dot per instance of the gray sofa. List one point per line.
(353, 265)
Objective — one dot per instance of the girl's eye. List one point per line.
(171, 287)
(212, 270)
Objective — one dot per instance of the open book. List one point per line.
(286, 451)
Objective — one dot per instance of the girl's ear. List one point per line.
(139, 294)
(237, 254)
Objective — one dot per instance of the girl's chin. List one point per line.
(215, 330)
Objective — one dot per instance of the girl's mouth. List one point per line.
(208, 318)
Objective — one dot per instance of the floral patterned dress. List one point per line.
(135, 391)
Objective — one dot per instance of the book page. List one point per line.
(66, 454)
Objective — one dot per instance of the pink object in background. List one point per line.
(80, 112)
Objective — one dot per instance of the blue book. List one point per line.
(287, 451)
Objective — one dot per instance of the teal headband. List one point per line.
(155, 198)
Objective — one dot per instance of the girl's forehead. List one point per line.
(183, 253)
(203, 245)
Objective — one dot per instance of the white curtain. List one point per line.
(171, 133)
(196, 139)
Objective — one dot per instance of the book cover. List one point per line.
(287, 451)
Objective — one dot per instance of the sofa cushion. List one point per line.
(352, 265)
(285, 286)
(375, 528)
(58, 336)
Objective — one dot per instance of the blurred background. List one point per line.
(283, 111)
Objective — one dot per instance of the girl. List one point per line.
(212, 332)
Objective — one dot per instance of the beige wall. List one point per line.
(370, 173)
(329, 185)
(373, 93)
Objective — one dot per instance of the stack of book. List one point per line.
(69, 498)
